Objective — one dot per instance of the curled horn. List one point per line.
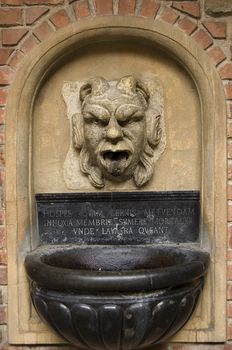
(85, 90)
(96, 87)
(127, 85)
(130, 85)
(142, 90)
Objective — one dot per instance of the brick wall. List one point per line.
(26, 23)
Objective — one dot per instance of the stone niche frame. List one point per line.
(208, 324)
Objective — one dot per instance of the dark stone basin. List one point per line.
(114, 269)
(116, 297)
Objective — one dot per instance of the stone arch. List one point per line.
(19, 196)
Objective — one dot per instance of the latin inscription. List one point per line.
(118, 222)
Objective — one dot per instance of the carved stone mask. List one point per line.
(112, 137)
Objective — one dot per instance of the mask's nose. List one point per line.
(113, 131)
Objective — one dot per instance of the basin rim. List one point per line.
(195, 266)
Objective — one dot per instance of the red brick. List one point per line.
(104, 7)
(229, 109)
(13, 36)
(2, 162)
(12, 2)
(60, 19)
(168, 15)
(226, 71)
(229, 233)
(28, 44)
(230, 171)
(229, 128)
(191, 8)
(2, 137)
(4, 55)
(3, 315)
(216, 29)
(229, 271)
(229, 191)
(221, 347)
(43, 31)
(229, 330)
(3, 275)
(229, 255)
(203, 39)
(229, 105)
(228, 91)
(149, 8)
(6, 75)
(229, 309)
(229, 149)
(229, 212)
(229, 291)
(187, 25)
(44, 2)
(3, 257)
(81, 9)
(16, 58)
(2, 177)
(32, 14)
(3, 96)
(2, 238)
(216, 54)
(2, 116)
(126, 7)
(11, 17)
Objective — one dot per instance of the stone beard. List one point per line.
(117, 130)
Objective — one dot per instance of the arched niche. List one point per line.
(35, 74)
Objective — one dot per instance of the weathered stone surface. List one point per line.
(105, 114)
(218, 7)
(182, 137)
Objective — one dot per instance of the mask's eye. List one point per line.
(91, 118)
(130, 120)
(95, 120)
(123, 123)
(100, 122)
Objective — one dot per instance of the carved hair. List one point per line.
(126, 86)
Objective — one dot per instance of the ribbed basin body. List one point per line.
(116, 298)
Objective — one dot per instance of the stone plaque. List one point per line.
(119, 218)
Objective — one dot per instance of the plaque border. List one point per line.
(49, 201)
(125, 196)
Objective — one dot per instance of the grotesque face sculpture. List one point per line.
(112, 131)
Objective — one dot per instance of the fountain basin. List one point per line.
(116, 298)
